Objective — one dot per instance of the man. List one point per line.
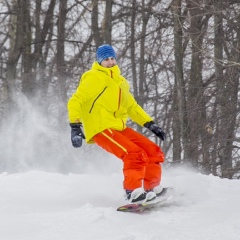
(101, 105)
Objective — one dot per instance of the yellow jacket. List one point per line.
(103, 100)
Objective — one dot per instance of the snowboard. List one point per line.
(166, 194)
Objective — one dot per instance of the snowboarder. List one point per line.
(101, 106)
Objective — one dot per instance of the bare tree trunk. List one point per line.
(141, 76)
(28, 82)
(146, 11)
(107, 23)
(16, 47)
(218, 56)
(60, 58)
(133, 54)
(8, 73)
(41, 34)
(227, 83)
(97, 35)
(195, 95)
(179, 100)
(42, 42)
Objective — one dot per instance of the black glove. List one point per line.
(155, 129)
(76, 134)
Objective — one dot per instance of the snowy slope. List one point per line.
(38, 205)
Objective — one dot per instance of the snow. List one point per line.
(39, 205)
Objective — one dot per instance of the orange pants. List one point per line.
(141, 157)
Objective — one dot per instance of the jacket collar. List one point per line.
(113, 71)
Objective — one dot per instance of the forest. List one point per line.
(181, 57)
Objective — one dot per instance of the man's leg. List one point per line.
(155, 156)
(134, 158)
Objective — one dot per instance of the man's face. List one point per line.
(109, 62)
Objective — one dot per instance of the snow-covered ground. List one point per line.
(38, 205)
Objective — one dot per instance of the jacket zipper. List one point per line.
(119, 98)
(97, 99)
(119, 103)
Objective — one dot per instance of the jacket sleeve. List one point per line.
(136, 112)
(77, 100)
(74, 109)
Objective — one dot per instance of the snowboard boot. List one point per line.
(138, 195)
(157, 190)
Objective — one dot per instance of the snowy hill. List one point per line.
(38, 205)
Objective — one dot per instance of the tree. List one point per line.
(179, 100)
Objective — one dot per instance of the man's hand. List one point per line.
(76, 134)
(156, 130)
